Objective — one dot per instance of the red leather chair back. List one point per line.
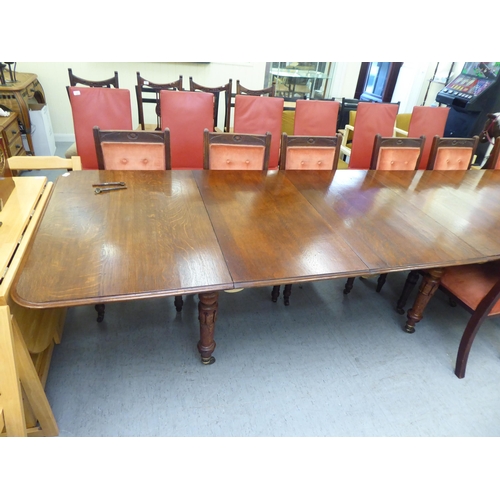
(428, 121)
(187, 115)
(258, 115)
(371, 119)
(107, 108)
(316, 118)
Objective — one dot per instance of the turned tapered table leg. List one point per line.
(207, 314)
(430, 284)
(100, 308)
(410, 283)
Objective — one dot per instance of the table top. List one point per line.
(152, 239)
(297, 73)
(175, 232)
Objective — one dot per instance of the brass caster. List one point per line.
(409, 329)
(208, 361)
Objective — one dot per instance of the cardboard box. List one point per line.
(42, 134)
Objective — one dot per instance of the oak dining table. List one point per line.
(200, 232)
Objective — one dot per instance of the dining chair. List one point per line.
(449, 153)
(428, 121)
(186, 114)
(392, 153)
(258, 115)
(268, 91)
(216, 91)
(132, 150)
(396, 153)
(346, 106)
(476, 287)
(306, 153)
(76, 80)
(148, 92)
(107, 108)
(226, 151)
(493, 161)
(316, 118)
(265, 92)
(300, 152)
(371, 119)
(109, 82)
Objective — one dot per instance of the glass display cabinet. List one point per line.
(300, 79)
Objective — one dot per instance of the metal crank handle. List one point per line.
(104, 190)
(109, 184)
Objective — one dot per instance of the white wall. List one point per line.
(54, 79)
(410, 89)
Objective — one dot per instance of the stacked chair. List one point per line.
(148, 92)
(371, 119)
(186, 115)
(258, 115)
(217, 91)
(107, 108)
(74, 81)
(427, 121)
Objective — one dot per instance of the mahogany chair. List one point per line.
(306, 153)
(187, 115)
(269, 91)
(428, 121)
(397, 153)
(346, 106)
(76, 80)
(299, 152)
(448, 153)
(216, 91)
(258, 115)
(132, 150)
(107, 108)
(493, 161)
(392, 153)
(477, 288)
(316, 118)
(240, 90)
(149, 93)
(371, 119)
(110, 82)
(225, 151)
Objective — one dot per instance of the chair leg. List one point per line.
(480, 314)
(348, 286)
(275, 293)
(381, 282)
(100, 312)
(178, 302)
(466, 342)
(409, 285)
(286, 294)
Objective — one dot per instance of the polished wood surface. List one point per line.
(392, 220)
(202, 231)
(269, 233)
(152, 239)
